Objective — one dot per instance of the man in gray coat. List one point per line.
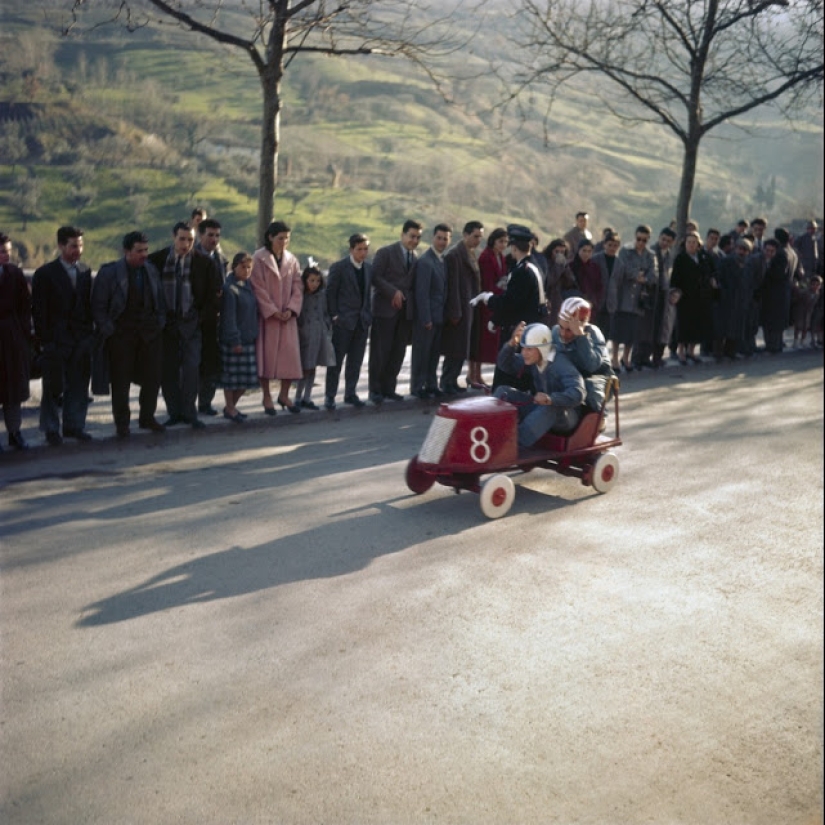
(348, 301)
(129, 312)
(430, 287)
(392, 312)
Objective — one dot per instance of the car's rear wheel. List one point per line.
(605, 472)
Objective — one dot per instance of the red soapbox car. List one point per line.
(477, 436)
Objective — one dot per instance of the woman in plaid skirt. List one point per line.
(238, 331)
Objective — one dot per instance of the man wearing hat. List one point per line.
(524, 299)
(554, 402)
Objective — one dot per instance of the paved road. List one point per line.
(262, 625)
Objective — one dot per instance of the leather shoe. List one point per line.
(152, 425)
(237, 417)
(308, 405)
(124, 431)
(196, 424)
(435, 393)
(354, 400)
(17, 441)
(394, 396)
(329, 403)
(422, 395)
(376, 398)
(54, 439)
(80, 435)
(172, 420)
(207, 411)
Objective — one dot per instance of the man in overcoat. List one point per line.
(62, 314)
(209, 244)
(430, 285)
(392, 312)
(129, 312)
(780, 273)
(463, 284)
(349, 304)
(188, 283)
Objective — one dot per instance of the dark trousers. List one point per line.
(350, 344)
(68, 376)
(181, 365)
(133, 360)
(388, 346)
(426, 350)
(773, 338)
(450, 370)
(13, 417)
(210, 357)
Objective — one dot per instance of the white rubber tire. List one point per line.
(605, 472)
(497, 495)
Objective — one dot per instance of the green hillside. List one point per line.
(116, 131)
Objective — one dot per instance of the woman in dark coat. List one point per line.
(693, 277)
(560, 281)
(15, 335)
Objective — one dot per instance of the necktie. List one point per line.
(359, 275)
(409, 259)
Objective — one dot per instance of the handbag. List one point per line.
(645, 302)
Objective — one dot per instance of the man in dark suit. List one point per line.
(430, 286)
(348, 302)
(392, 312)
(62, 313)
(209, 243)
(129, 311)
(187, 277)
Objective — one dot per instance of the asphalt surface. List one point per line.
(259, 623)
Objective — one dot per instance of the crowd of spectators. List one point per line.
(183, 322)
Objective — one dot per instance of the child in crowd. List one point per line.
(237, 334)
(314, 334)
(803, 301)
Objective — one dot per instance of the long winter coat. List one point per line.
(694, 312)
(776, 289)
(463, 283)
(276, 290)
(493, 271)
(315, 331)
(734, 299)
(15, 333)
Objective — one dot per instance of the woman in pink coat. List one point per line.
(276, 282)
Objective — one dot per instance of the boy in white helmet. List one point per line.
(558, 388)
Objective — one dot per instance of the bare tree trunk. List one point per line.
(687, 183)
(270, 140)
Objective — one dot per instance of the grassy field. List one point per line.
(133, 129)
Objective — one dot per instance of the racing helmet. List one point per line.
(538, 336)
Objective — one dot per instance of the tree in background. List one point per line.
(273, 32)
(687, 65)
